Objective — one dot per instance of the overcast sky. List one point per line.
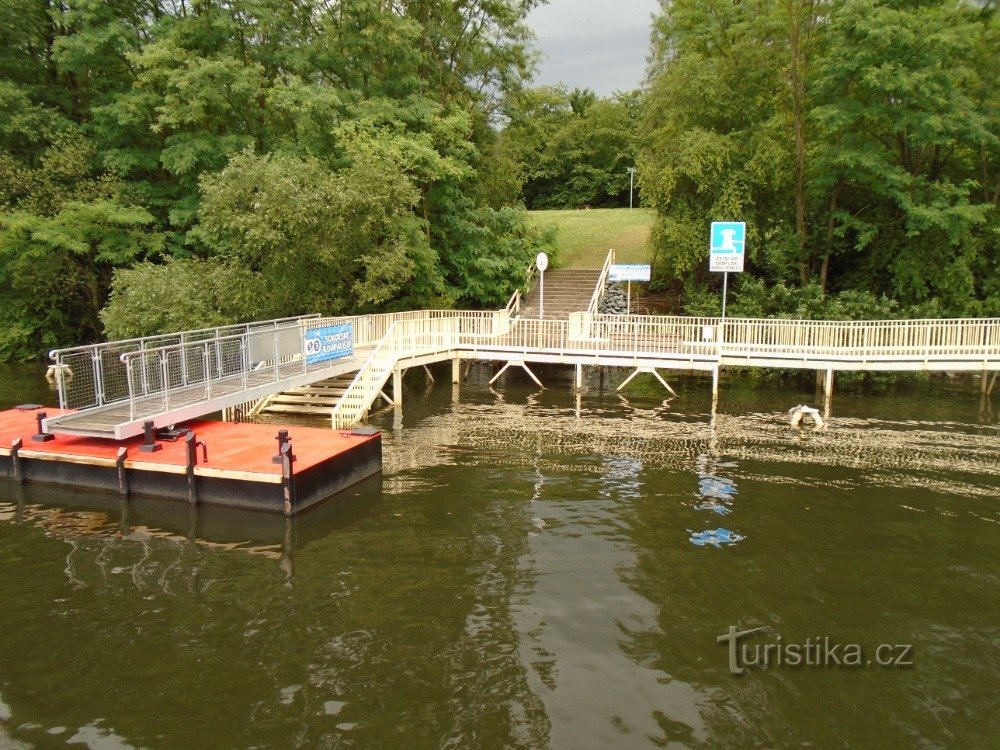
(595, 44)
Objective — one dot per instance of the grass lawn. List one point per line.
(585, 235)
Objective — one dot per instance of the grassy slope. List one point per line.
(585, 235)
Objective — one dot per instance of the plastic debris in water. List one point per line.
(715, 537)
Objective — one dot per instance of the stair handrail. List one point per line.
(363, 371)
(514, 303)
(595, 298)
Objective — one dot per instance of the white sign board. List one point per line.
(628, 272)
(727, 245)
(542, 261)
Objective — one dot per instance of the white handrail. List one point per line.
(595, 298)
(513, 306)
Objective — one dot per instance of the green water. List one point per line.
(527, 573)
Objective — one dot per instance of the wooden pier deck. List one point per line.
(118, 391)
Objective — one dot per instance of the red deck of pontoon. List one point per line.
(232, 465)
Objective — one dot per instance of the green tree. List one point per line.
(897, 109)
(182, 295)
(573, 148)
(324, 241)
(386, 108)
(854, 137)
(64, 228)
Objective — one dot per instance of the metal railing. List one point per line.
(174, 376)
(177, 376)
(602, 281)
(412, 338)
(671, 337)
(93, 374)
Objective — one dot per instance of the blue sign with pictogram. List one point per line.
(727, 245)
(329, 342)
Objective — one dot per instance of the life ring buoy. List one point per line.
(798, 413)
(56, 374)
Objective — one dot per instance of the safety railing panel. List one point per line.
(175, 376)
(94, 374)
(183, 374)
(882, 338)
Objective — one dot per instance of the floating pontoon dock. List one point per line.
(219, 463)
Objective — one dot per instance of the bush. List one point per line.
(182, 295)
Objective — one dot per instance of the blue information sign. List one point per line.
(726, 245)
(331, 342)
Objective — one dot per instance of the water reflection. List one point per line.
(928, 453)
(716, 492)
(117, 531)
(581, 624)
(523, 576)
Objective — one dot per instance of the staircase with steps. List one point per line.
(318, 398)
(567, 290)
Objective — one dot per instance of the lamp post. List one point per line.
(631, 183)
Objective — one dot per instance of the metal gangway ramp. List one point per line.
(111, 390)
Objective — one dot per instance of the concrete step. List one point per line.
(566, 291)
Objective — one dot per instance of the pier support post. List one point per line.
(192, 459)
(287, 480)
(578, 377)
(124, 485)
(15, 460)
(715, 383)
(456, 370)
(520, 364)
(430, 375)
(397, 386)
(827, 392)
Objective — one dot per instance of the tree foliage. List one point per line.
(340, 149)
(858, 139)
(572, 148)
(181, 295)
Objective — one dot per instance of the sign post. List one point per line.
(726, 249)
(541, 262)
